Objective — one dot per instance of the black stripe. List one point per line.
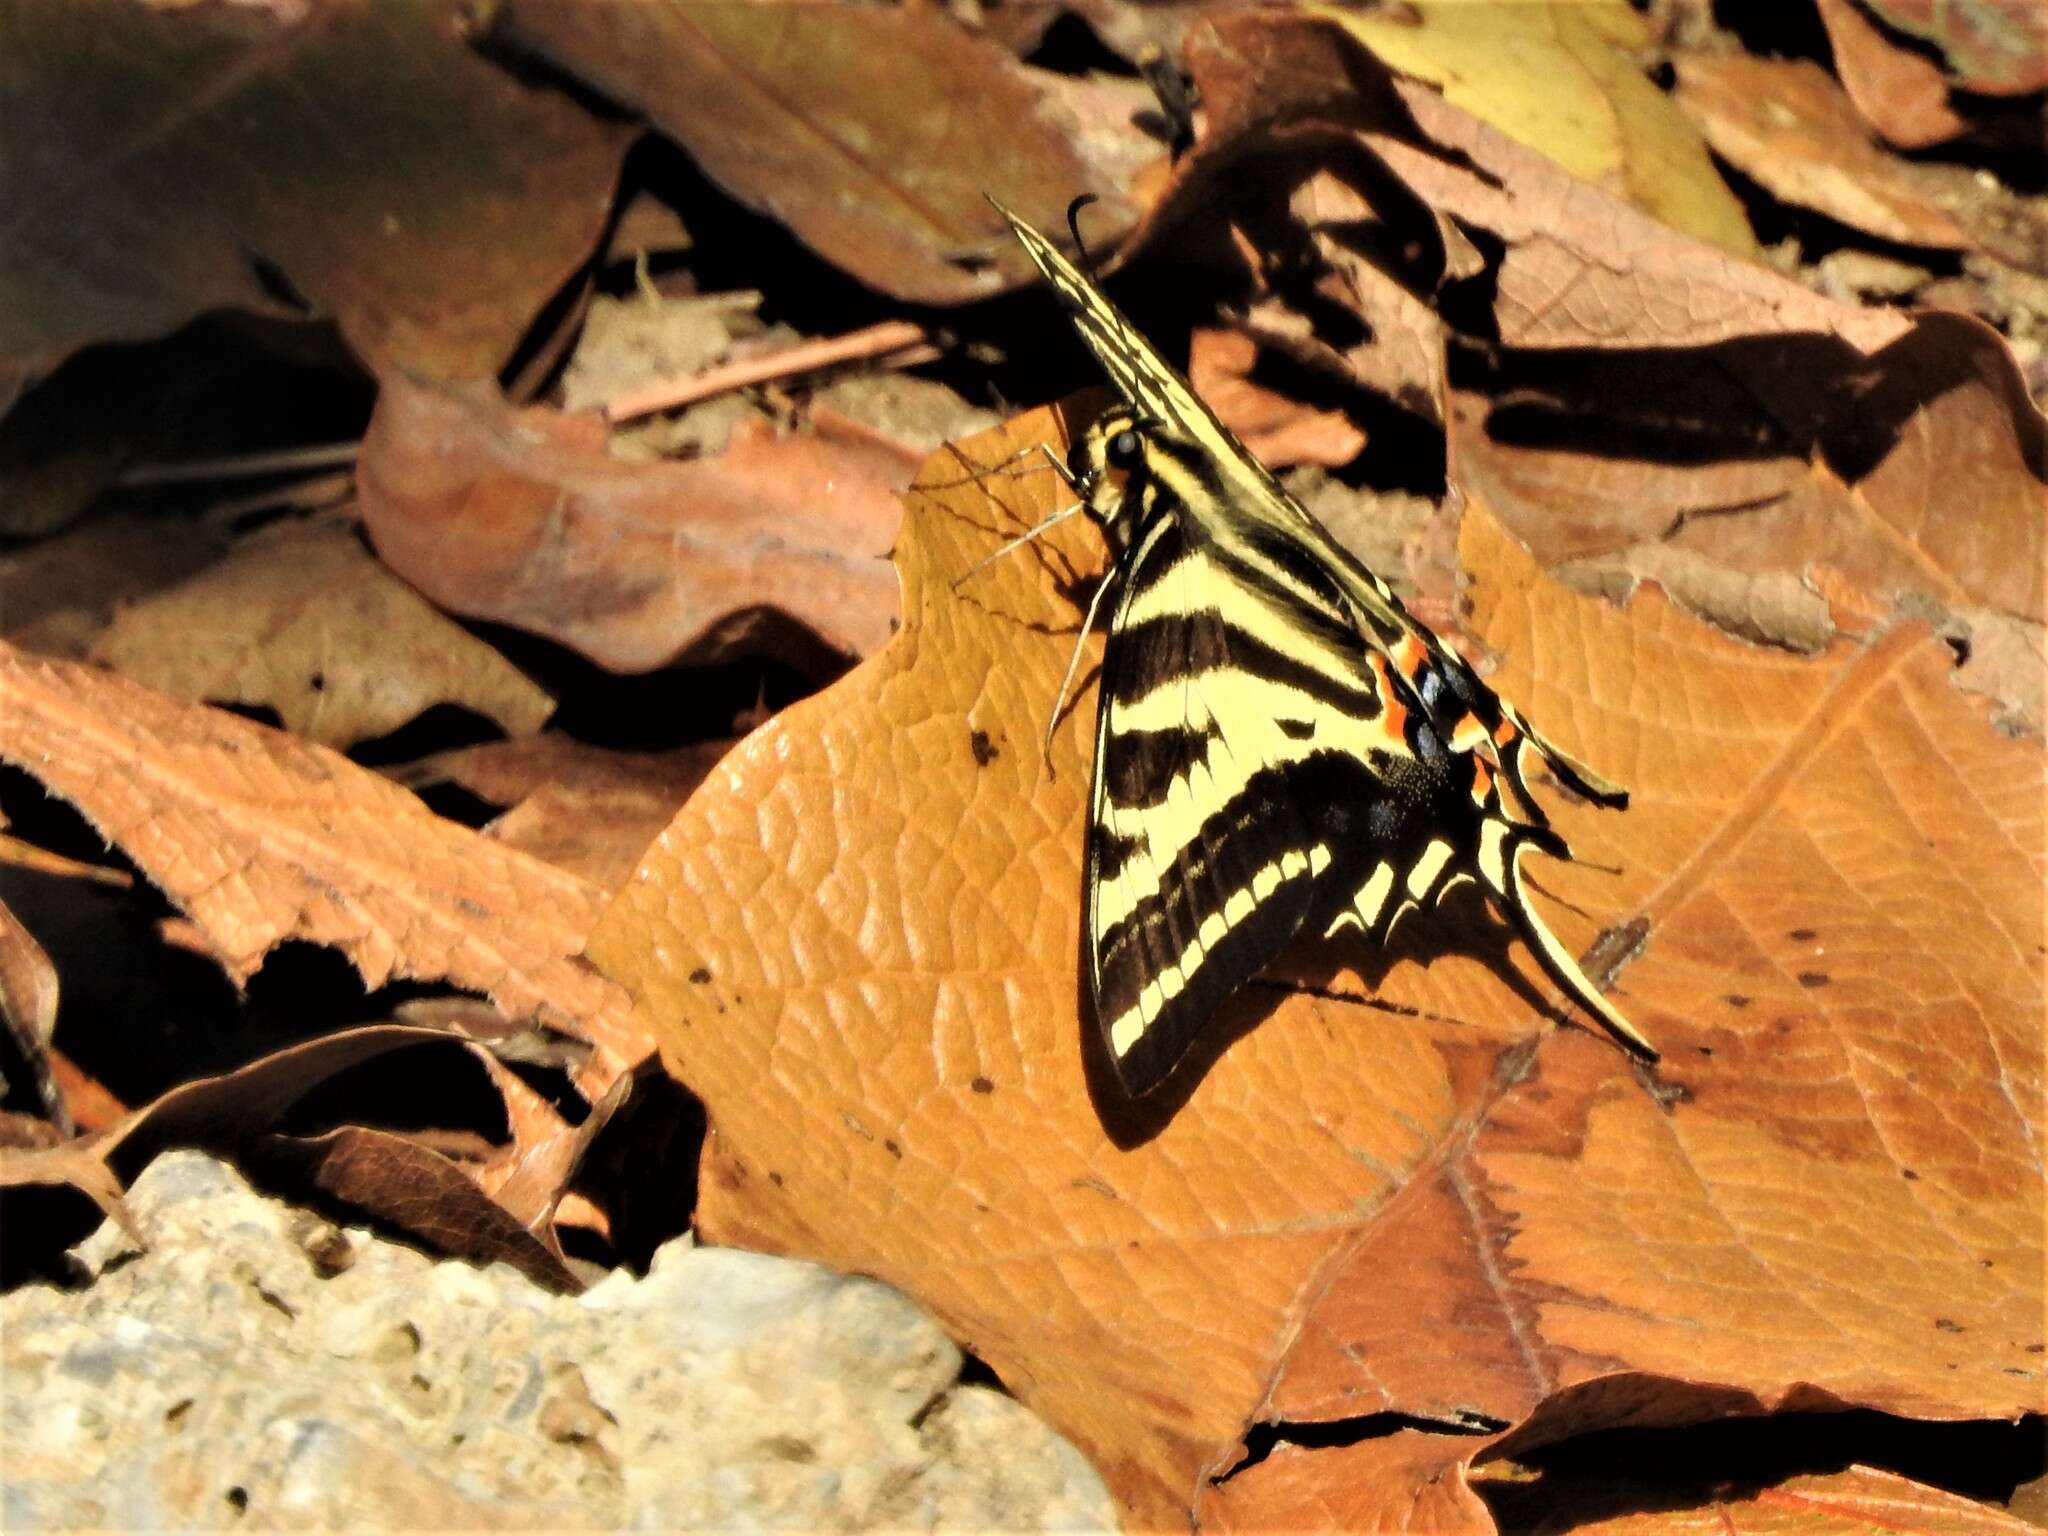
(1177, 647)
(1241, 837)
(1238, 956)
(1140, 767)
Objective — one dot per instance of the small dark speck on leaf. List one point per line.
(1704, 1050)
(700, 976)
(775, 1178)
(982, 1085)
(1908, 1173)
(1800, 935)
(894, 1150)
(317, 682)
(1811, 979)
(1736, 1000)
(1948, 1327)
(984, 750)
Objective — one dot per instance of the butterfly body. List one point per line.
(1280, 745)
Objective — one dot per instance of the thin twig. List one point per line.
(243, 466)
(890, 336)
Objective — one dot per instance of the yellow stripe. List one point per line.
(1428, 867)
(1171, 980)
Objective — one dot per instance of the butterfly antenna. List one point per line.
(1074, 228)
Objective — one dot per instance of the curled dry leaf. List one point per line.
(1563, 77)
(28, 1009)
(301, 618)
(261, 838)
(418, 1191)
(391, 1176)
(781, 109)
(522, 517)
(159, 162)
(1787, 125)
(1580, 268)
(1404, 1191)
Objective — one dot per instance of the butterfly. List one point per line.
(1280, 745)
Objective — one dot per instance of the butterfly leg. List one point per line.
(1059, 704)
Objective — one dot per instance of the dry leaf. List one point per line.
(1916, 470)
(417, 1190)
(1580, 268)
(522, 517)
(28, 1009)
(1406, 1191)
(1279, 430)
(1851, 1502)
(260, 838)
(1900, 92)
(159, 170)
(782, 109)
(57, 594)
(1786, 124)
(1563, 78)
(300, 618)
(1989, 47)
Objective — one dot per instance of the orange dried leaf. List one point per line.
(1787, 125)
(523, 517)
(261, 838)
(782, 109)
(1407, 1191)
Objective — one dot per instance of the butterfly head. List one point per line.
(1110, 469)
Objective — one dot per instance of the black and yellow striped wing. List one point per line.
(1280, 745)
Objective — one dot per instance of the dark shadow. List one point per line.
(1796, 396)
(1614, 1473)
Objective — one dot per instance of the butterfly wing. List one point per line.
(1234, 707)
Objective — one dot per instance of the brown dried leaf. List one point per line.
(28, 1009)
(522, 517)
(1788, 126)
(1990, 47)
(261, 838)
(159, 171)
(1564, 78)
(1914, 471)
(1281, 431)
(1406, 1192)
(1900, 92)
(301, 618)
(590, 811)
(417, 1190)
(782, 109)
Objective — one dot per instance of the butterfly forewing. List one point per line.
(1279, 744)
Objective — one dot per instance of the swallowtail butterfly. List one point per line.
(1279, 744)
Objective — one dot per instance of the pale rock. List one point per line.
(222, 1379)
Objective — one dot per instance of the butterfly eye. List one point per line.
(1124, 450)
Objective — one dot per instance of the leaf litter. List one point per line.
(1400, 1237)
